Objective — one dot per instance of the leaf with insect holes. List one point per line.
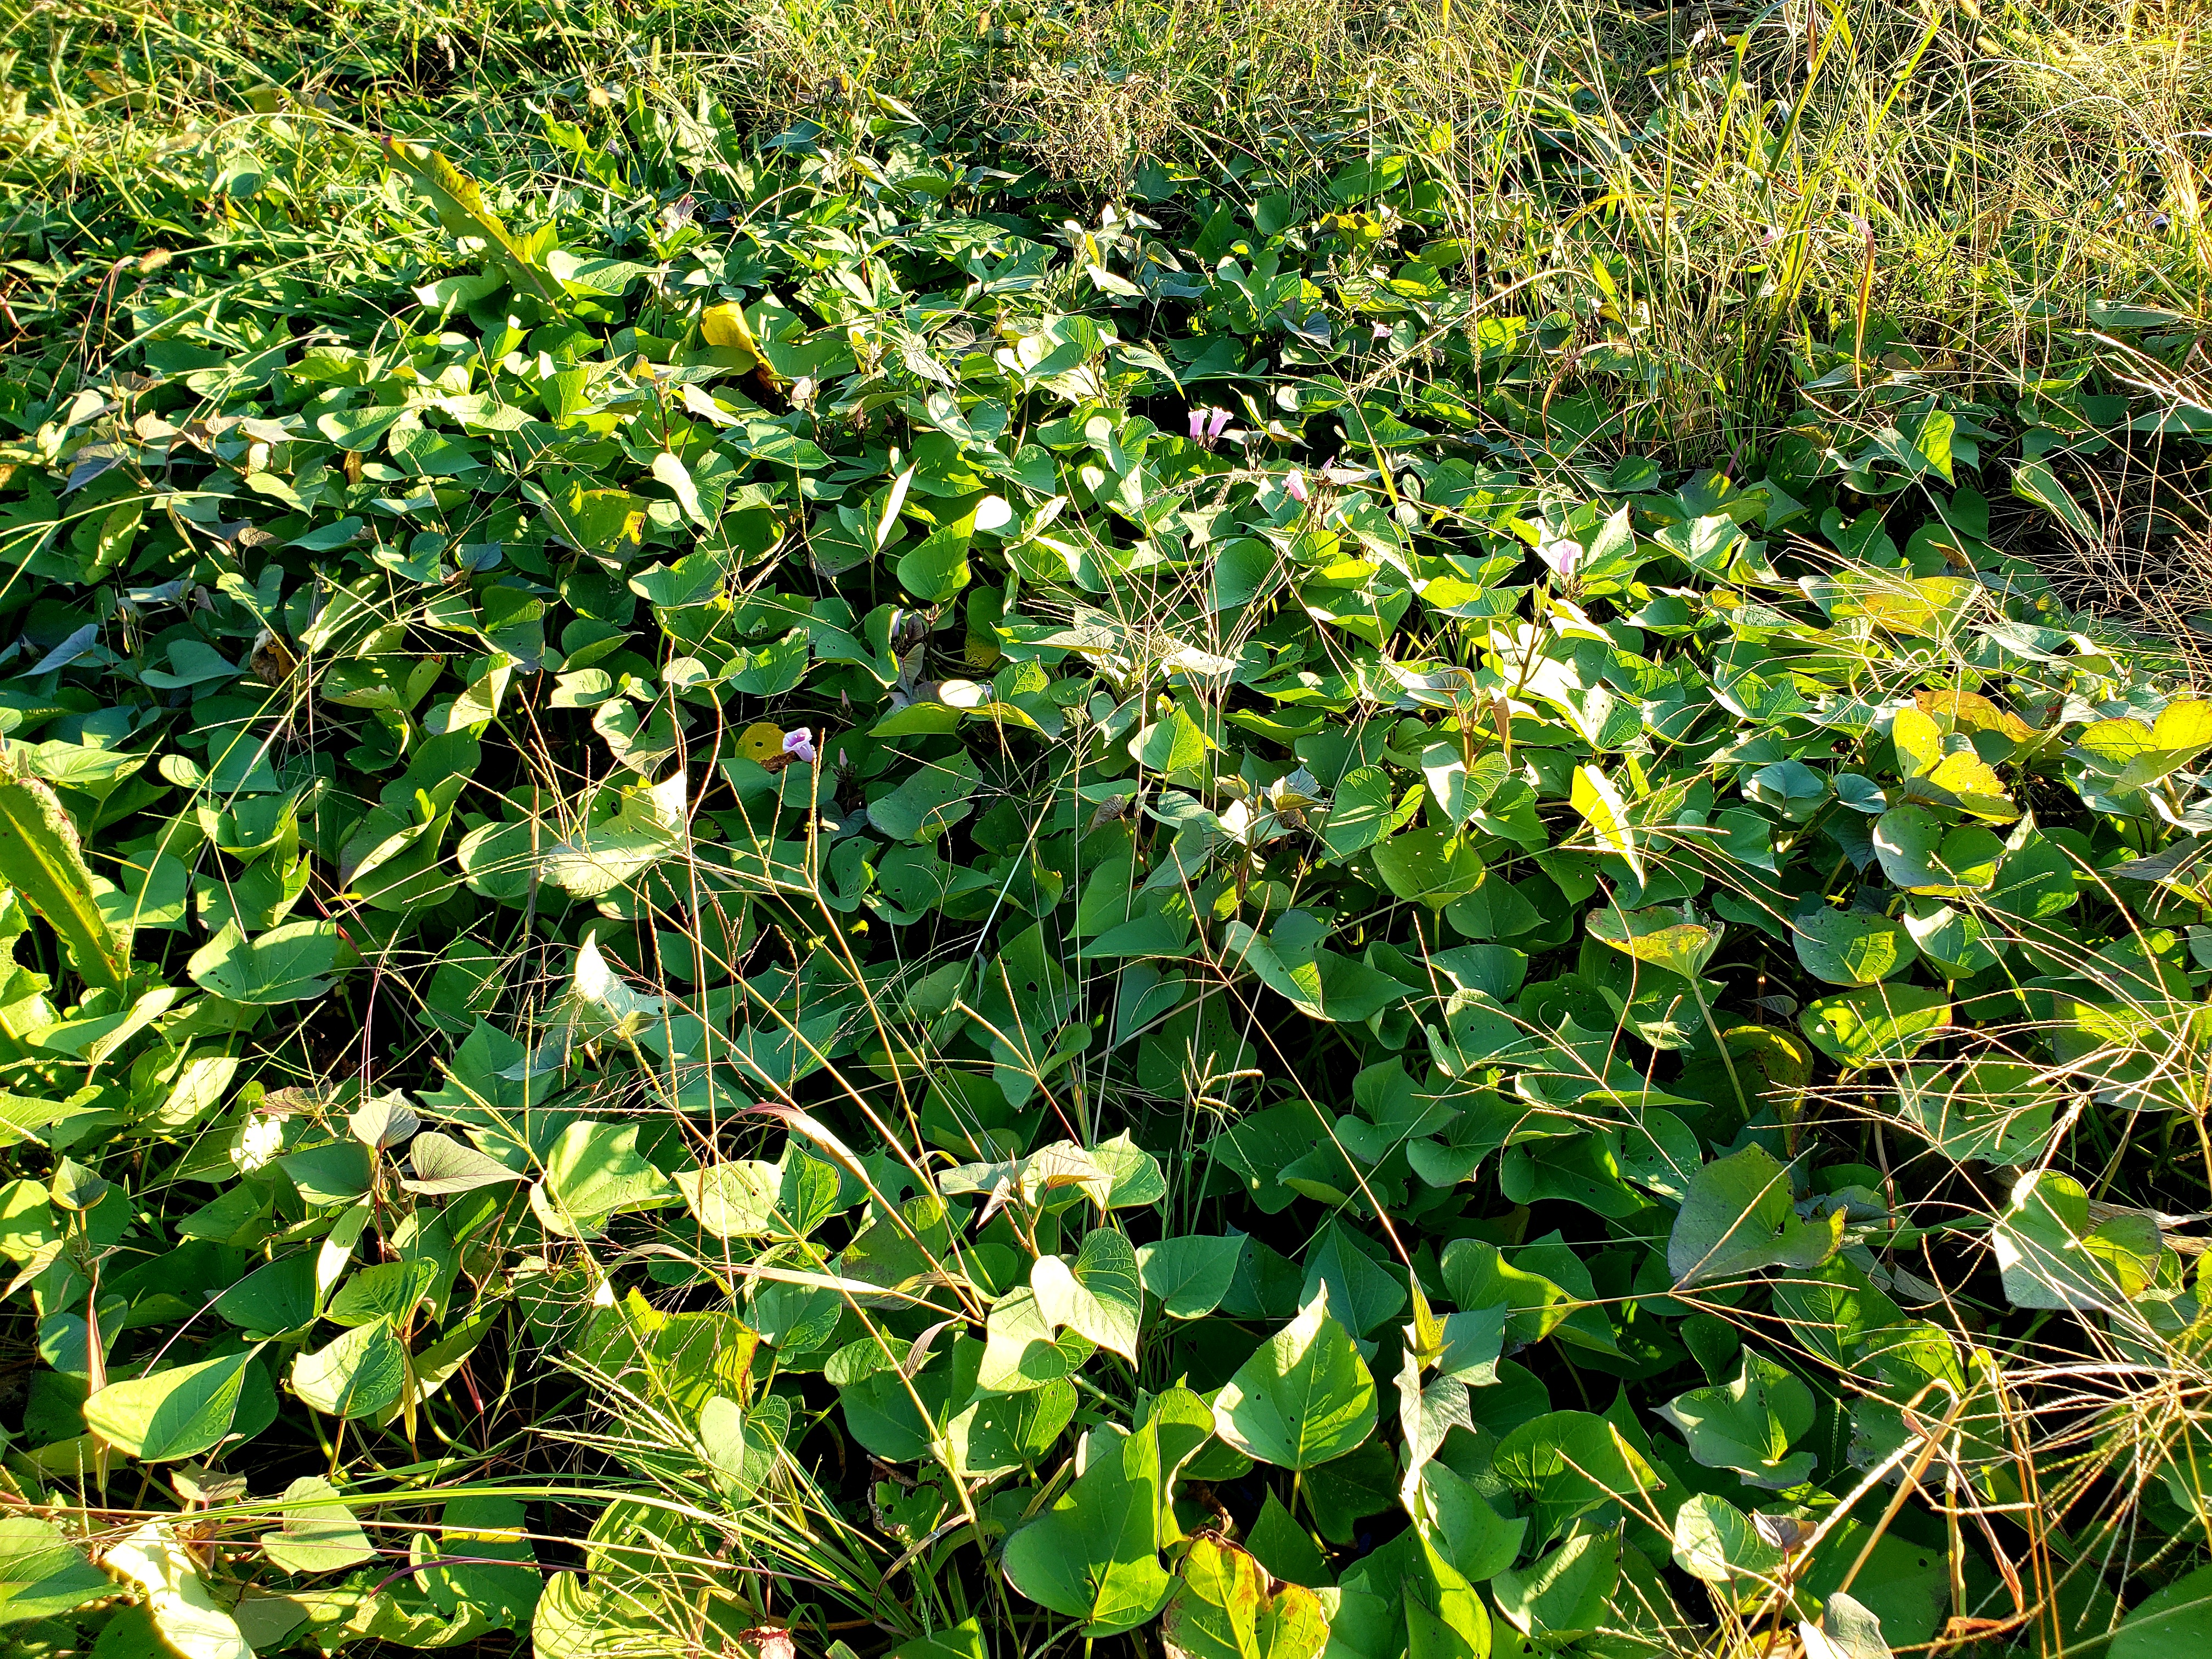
(1849, 947)
(1305, 1398)
(1887, 1022)
(1748, 1425)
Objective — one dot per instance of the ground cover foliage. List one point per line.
(941, 862)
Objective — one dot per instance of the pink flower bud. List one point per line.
(799, 743)
(1198, 424)
(1215, 424)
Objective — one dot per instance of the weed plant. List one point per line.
(1301, 831)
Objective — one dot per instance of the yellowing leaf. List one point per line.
(1600, 803)
(725, 326)
(761, 741)
(183, 1612)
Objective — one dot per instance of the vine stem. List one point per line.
(1727, 1059)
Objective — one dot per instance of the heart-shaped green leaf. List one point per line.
(1305, 1397)
(1099, 1297)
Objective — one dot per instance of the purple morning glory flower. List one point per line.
(1216, 423)
(1380, 331)
(1294, 486)
(799, 743)
(1198, 424)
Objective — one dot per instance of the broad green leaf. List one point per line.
(1887, 1022)
(1175, 748)
(1020, 1350)
(184, 1412)
(359, 1374)
(741, 1446)
(1565, 1594)
(571, 1621)
(1428, 1414)
(42, 1573)
(608, 524)
(935, 568)
(1429, 866)
(1099, 1297)
(1224, 1607)
(1987, 1111)
(1467, 1529)
(735, 1198)
(1849, 947)
(1958, 941)
(1739, 1218)
(933, 798)
(1714, 1542)
(1094, 1554)
(2169, 1623)
(1964, 782)
(1134, 1179)
(1790, 788)
(1320, 982)
(647, 825)
(1848, 1630)
(593, 1173)
(1920, 854)
(1481, 1280)
(1188, 1275)
(443, 1165)
(1359, 812)
(275, 1298)
(1673, 940)
(2051, 1256)
(41, 857)
(1361, 1292)
(1283, 1548)
(1748, 1426)
(477, 1531)
(320, 1532)
(289, 963)
(1305, 1397)
(996, 1434)
(460, 207)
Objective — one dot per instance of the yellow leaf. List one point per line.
(1594, 796)
(761, 741)
(725, 325)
